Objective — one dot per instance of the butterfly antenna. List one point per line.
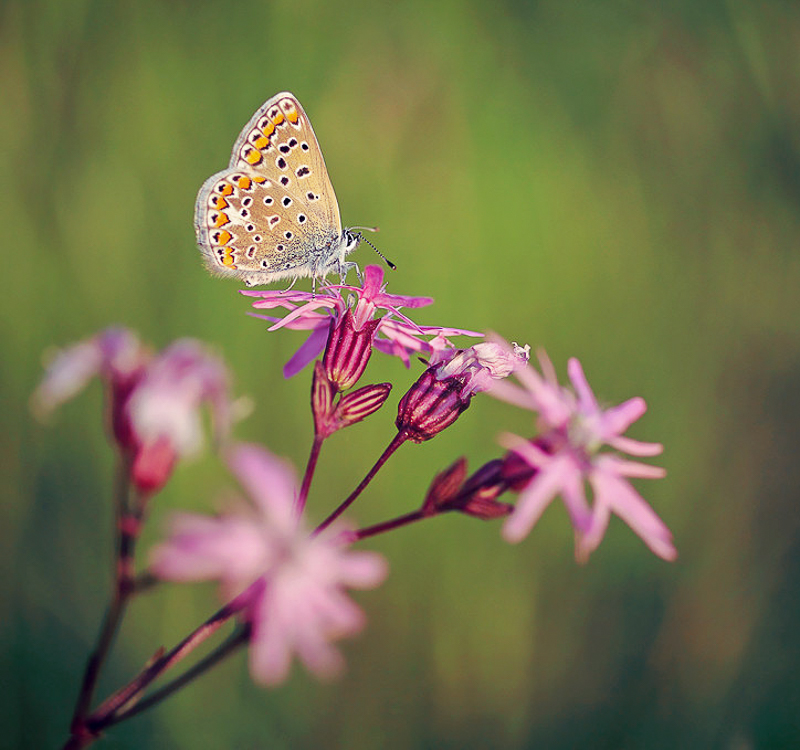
(385, 259)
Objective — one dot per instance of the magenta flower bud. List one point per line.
(431, 405)
(351, 408)
(322, 394)
(348, 350)
(355, 406)
(477, 496)
(446, 388)
(445, 486)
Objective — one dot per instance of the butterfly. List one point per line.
(272, 214)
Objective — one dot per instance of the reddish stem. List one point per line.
(125, 543)
(394, 523)
(113, 710)
(397, 441)
(300, 503)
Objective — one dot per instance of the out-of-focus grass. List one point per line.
(617, 181)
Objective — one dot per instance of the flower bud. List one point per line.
(445, 486)
(355, 406)
(431, 405)
(153, 465)
(348, 350)
(322, 394)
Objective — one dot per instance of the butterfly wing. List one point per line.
(273, 213)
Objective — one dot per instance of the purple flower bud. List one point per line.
(355, 406)
(351, 408)
(445, 486)
(431, 405)
(348, 350)
(322, 394)
(476, 496)
(446, 388)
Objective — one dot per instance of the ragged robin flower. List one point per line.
(568, 454)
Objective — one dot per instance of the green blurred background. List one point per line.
(617, 181)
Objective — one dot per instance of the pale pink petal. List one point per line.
(269, 480)
(512, 394)
(587, 403)
(586, 543)
(622, 499)
(635, 447)
(270, 646)
(546, 366)
(361, 570)
(617, 419)
(535, 498)
(624, 468)
(113, 354)
(532, 453)
(574, 495)
(201, 548)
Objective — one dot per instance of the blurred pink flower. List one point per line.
(154, 401)
(301, 607)
(396, 334)
(567, 454)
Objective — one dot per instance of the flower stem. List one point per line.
(238, 638)
(113, 710)
(397, 441)
(390, 525)
(124, 547)
(309, 475)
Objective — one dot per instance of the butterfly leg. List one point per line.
(288, 288)
(344, 268)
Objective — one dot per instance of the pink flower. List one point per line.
(395, 334)
(574, 428)
(154, 401)
(301, 606)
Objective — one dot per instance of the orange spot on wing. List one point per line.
(278, 118)
(253, 157)
(293, 116)
(244, 183)
(227, 259)
(269, 129)
(219, 202)
(261, 141)
(227, 189)
(259, 180)
(224, 237)
(222, 219)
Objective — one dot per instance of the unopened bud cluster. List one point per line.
(347, 353)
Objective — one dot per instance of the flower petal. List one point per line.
(535, 498)
(308, 351)
(269, 480)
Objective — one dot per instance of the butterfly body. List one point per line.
(272, 214)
